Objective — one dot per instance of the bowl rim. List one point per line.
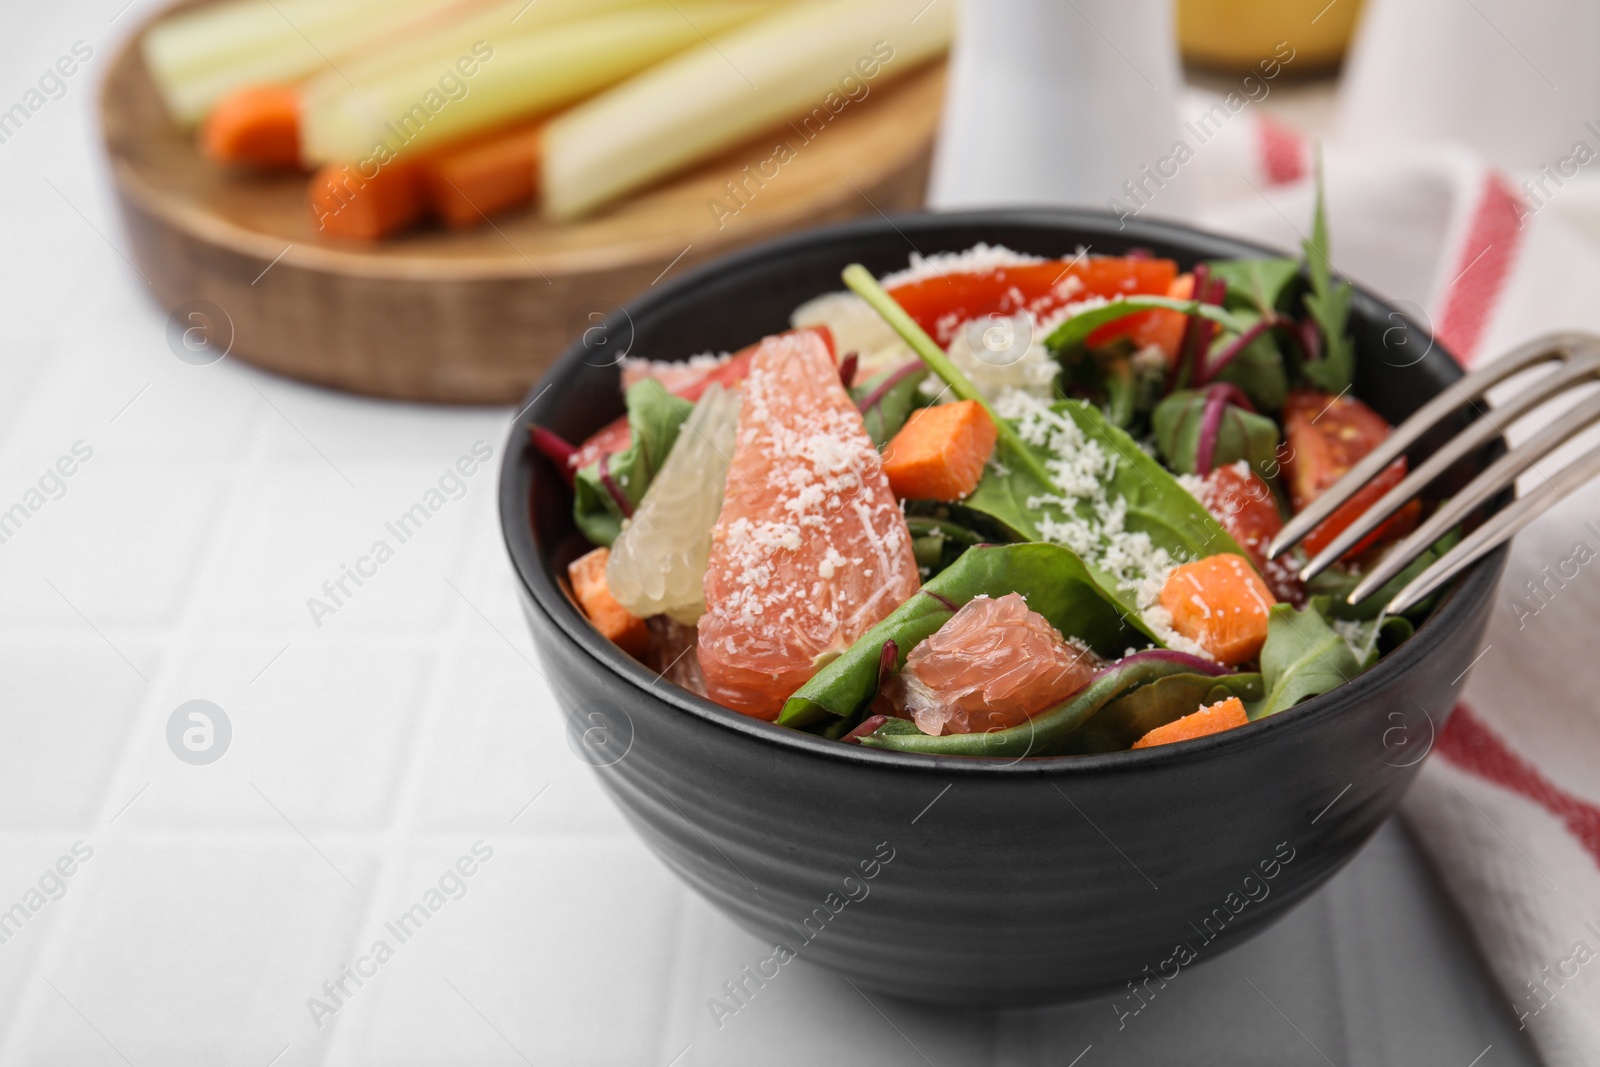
(542, 592)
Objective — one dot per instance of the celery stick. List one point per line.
(199, 56)
(786, 65)
(514, 76)
(428, 44)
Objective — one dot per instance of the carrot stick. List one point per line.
(1221, 604)
(256, 126)
(468, 182)
(347, 203)
(1223, 715)
(624, 629)
(940, 452)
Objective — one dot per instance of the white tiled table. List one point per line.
(371, 752)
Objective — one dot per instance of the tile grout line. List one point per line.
(170, 641)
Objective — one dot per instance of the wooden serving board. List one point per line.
(472, 316)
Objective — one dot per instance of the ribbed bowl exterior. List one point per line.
(972, 882)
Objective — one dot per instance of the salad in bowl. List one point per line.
(997, 504)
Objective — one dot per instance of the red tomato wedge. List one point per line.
(1395, 527)
(942, 304)
(1243, 504)
(1324, 437)
(1239, 500)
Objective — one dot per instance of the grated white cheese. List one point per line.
(1088, 519)
(979, 257)
(669, 372)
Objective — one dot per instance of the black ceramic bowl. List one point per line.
(992, 882)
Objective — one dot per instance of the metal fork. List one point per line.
(1579, 356)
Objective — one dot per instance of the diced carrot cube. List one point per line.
(347, 203)
(1221, 604)
(1223, 715)
(623, 628)
(940, 452)
(256, 126)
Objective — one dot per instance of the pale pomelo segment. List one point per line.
(811, 549)
(658, 562)
(994, 664)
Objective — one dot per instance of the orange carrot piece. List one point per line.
(624, 629)
(1221, 604)
(940, 452)
(468, 182)
(256, 126)
(347, 203)
(1223, 715)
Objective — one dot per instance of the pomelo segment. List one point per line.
(994, 664)
(658, 562)
(810, 550)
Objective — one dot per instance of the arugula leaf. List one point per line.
(886, 400)
(1255, 284)
(1178, 419)
(1303, 657)
(1054, 580)
(1123, 721)
(1047, 734)
(610, 489)
(1156, 505)
(1073, 333)
(1328, 304)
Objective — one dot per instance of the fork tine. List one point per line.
(1499, 476)
(1497, 531)
(1468, 389)
(1475, 436)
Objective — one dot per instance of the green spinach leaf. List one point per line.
(1152, 501)
(1303, 657)
(1048, 733)
(1179, 418)
(610, 489)
(1258, 370)
(1074, 333)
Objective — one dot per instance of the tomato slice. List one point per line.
(1324, 437)
(1244, 505)
(942, 304)
(1395, 527)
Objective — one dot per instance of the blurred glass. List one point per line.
(1233, 35)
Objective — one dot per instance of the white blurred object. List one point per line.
(1053, 102)
(1515, 81)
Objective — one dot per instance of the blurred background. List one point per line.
(229, 368)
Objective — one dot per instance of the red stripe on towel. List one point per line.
(1283, 152)
(1472, 746)
(1481, 270)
